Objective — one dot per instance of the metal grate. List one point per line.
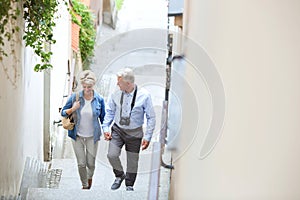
(37, 174)
(53, 178)
(9, 198)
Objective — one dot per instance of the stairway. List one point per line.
(63, 183)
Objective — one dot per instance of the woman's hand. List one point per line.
(76, 105)
(107, 135)
(145, 144)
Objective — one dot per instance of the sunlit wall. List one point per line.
(254, 47)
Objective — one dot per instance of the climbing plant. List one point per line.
(39, 16)
(87, 32)
(119, 4)
(9, 12)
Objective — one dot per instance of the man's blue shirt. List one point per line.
(142, 109)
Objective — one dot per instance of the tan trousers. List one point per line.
(85, 151)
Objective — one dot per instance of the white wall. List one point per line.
(61, 54)
(11, 128)
(22, 105)
(21, 118)
(32, 104)
(255, 46)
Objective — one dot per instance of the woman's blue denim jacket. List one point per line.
(98, 108)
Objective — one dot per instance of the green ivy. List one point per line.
(39, 18)
(9, 12)
(87, 34)
(119, 4)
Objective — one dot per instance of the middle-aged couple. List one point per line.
(126, 109)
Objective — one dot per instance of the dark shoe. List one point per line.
(85, 188)
(90, 183)
(117, 182)
(129, 188)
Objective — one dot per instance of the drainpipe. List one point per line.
(158, 147)
(47, 146)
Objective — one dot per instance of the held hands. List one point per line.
(107, 135)
(145, 144)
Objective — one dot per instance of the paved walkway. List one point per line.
(70, 185)
(135, 14)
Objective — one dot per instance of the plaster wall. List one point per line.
(21, 118)
(62, 64)
(254, 46)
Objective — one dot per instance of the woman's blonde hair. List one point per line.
(87, 77)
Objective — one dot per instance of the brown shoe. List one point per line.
(90, 183)
(85, 188)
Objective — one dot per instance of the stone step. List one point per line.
(77, 194)
(64, 183)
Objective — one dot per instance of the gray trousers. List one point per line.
(132, 140)
(85, 151)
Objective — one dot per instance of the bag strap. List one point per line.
(77, 96)
(76, 99)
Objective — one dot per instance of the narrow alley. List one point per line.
(134, 15)
(224, 80)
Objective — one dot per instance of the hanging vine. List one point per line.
(39, 19)
(39, 16)
(87, 32)
(9, 13)
(11, 38)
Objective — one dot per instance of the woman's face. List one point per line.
(87, 88)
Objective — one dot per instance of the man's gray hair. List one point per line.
(126, 74)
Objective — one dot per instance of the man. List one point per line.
(127, 108)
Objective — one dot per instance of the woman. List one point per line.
(87, 131)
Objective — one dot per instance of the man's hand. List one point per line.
(107, 135)
(145, 144)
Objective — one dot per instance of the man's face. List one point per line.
(122, 84)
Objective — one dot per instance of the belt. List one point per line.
(125, 129)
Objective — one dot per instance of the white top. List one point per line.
(85, 128)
